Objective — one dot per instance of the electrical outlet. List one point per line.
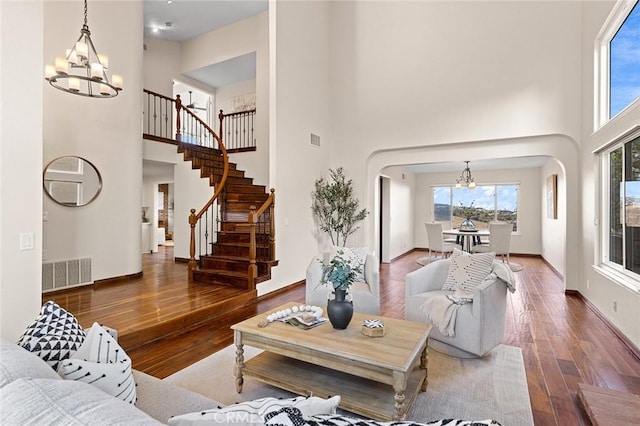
(615, 306)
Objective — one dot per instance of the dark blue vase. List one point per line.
(339, 310)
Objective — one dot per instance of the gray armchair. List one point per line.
(366, 295)
(479, 325)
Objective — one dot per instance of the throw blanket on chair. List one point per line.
(441, 311)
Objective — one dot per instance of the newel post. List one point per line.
(193, 219)
(220, 118)
(178, 108)
(272, 220)
(253, 268)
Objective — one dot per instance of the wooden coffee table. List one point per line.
(377, 377)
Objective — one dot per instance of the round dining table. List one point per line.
(467, 236)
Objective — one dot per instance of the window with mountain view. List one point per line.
(482, 204)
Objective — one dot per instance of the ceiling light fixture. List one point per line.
(84, 70)
(466, 178)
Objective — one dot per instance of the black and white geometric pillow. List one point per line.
(54, 335)
(336, 420)
(101, 362)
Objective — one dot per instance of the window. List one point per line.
(624, 64)
(622, 215)
(617, 64)
(482, 204)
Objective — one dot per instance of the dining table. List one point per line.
(467, 236)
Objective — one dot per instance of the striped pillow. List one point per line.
(467, 271)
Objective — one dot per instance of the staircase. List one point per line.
(232, 236)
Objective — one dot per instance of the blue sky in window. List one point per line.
(481, 196)
(625, 63)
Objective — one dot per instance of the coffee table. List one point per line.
(377, 377)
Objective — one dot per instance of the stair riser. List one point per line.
(258, 198)
(230, 238)
(239, 251)
(213, 278)
(229, 265)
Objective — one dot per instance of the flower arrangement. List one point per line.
(340, 273)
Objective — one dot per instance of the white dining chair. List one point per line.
(446, 224)
(499, 241)
(436, 240)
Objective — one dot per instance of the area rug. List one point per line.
(494, 387)
(428, 259)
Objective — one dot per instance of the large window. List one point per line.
(624, 64)
(622, 166)
(482, 204)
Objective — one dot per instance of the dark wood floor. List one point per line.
(563, 341)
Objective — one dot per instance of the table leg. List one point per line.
(424, 364)
(399, 386)
(239, 360)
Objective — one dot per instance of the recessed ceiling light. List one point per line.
(169, 1)
(155, 30)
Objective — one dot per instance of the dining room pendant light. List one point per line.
(82, 71)
(466, 178)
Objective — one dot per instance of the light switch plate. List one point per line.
(26, 241)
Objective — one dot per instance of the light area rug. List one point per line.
(494, 387)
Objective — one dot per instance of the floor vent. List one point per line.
(66, 273)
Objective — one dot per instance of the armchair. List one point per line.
(479, 326)
(366, 295)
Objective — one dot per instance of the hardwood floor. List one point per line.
(562, 340)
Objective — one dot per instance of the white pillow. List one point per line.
(101, 362)
(252, 413)
(467, 271)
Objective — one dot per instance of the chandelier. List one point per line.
(83, 71)
(465, 178)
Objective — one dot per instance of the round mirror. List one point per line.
(72, 181)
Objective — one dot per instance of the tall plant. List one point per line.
(335, 208)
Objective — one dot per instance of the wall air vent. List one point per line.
(66, 273)
(315, 140)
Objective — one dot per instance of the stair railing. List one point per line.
(237, 129)
(261, 221)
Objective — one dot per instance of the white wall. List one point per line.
(246, 36)
(104, 131)
(161, 65)
(526, 240)
(401, 210)
(302, 107)
(599, 289)
(20, 164)
(553, 231)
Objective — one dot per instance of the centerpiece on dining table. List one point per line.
(339, 273)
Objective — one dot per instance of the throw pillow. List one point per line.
(54, 336)
(252, 412)
(291, 416)
(467, 271)
(101, 362)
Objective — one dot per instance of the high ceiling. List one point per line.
(492, 164)
(182, 20)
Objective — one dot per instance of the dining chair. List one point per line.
(499, 240)
(446, 224)
(436, 240)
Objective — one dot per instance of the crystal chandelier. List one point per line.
(83, 71)
(465, 178)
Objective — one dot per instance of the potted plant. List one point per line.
(335, 208)
(339, 273)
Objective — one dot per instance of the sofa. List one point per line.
(31, 392)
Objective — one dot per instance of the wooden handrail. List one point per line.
(158, 95)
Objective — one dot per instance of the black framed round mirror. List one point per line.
(71, 181)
